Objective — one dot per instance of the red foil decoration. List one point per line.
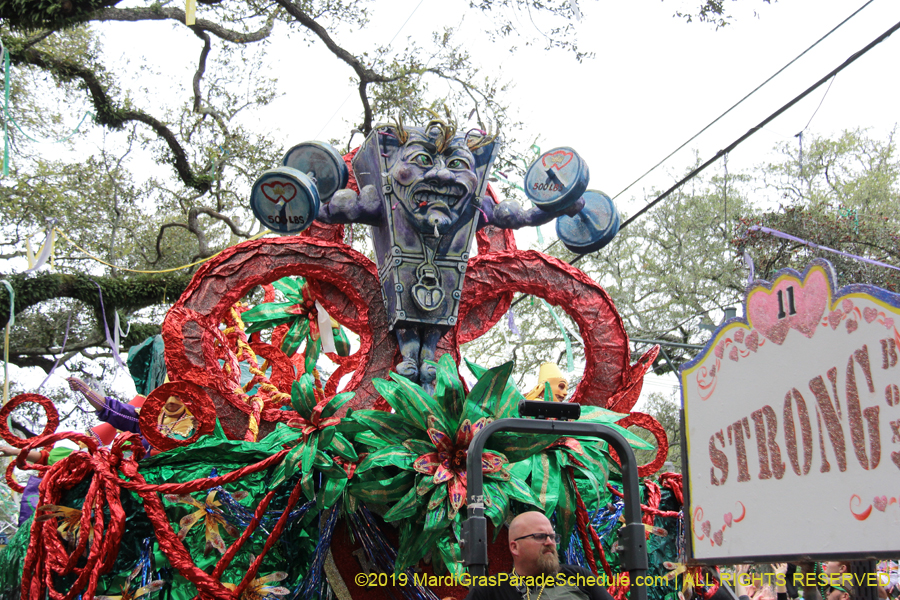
(195, 400)
(645, 421)
(15, 402)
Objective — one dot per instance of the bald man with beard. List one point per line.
(533, 545)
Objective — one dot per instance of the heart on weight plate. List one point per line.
(279, 191)
(789, 304)
(557, 160)
(880, 502)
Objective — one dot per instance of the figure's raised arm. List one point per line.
(509, 214)
(348, 207)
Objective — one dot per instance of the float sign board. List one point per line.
(792, 425)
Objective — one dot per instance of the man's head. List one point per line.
(531, 557)
(839, 592)
(835, 566)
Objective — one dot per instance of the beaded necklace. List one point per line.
(527, 592)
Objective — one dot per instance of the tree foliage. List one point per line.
(840, 193)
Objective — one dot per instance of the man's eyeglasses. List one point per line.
(541, 537)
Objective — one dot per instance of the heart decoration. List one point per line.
(557, 160)
(706, 527)
(279, 191)
(834, 318)
(895, 456)
(810, 300)
(880, 502)
(752, 341)
(888, 323)
(733, 353)
(739, 335)
(728, 518)
(718, 537)
(869, 314)
(720, 350)
(847, 305)
(851, 325)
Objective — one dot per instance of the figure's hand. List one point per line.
(92, 396)
(575, 208)
(344, 195)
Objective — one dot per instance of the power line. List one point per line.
(735, 105)
(739, 102)
(762, 124)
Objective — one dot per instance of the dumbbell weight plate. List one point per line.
(556, 179)
(593, 227)
(321, 161)
(285, 200)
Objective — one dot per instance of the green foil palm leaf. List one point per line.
(336, 403)
(545, 472)
(499, 503)
(323, 462)
(303, 396)
(405, 508)
(450, 555)
(436, 519)
(291, 287)
(286, 469)
(419, 544)
(437, 497)
(396, 455)
(565, 510)
(267, 316)
(295, 336)
(383, 491)
(507, 404)
(488, 390)
(308, 452)
(340, 446)
(448, 386)
(390, 427)
(330, 492)
(313, 349)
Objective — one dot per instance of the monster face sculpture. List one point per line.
(434, 180)
(429, 182)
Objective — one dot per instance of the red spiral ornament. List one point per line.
(645, 421)
(195, 400)
(15, 402)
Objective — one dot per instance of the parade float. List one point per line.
(277, 484)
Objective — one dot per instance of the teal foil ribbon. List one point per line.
(570, 362)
